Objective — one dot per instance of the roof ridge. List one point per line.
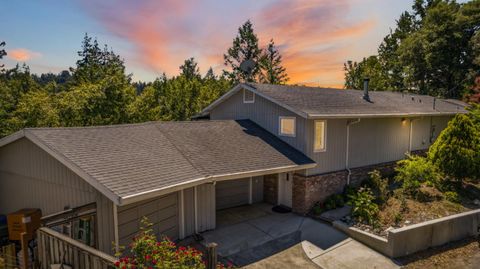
(200, 170)
(92, 126)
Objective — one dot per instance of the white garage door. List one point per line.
(231, 193)
(162, 212)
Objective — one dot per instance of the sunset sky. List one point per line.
(314, 37)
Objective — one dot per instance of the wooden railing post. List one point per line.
(211, 256)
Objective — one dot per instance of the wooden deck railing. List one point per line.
(56, 248)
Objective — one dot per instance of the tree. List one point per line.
(189, 69)
(209, 75)
(244, 47)
(35, 109)
(271, 67)
(2, 53)
(456, 152)
(370, 68)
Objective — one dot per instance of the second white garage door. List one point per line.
(231, 193)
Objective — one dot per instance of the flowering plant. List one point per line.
(147, 252)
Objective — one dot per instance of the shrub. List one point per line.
(147, 252)
(363, 207)
(456, 152)
(334, 201)
(414, 171)
(452, 196)
(379, 186)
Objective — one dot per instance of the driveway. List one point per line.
(250, 233)
(255, 237)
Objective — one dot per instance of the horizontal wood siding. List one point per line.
(263, 112)
(206, 207)
(231, 193)
(162, 212)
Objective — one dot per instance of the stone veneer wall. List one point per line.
(311, 189)
(270, 188)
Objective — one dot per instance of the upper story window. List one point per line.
(287, 126)
(320, 129)
(248, 97)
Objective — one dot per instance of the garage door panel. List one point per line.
(232, 193)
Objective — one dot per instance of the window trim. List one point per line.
(246, 101)
(280, 118)
(324, 149)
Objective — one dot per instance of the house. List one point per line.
(288, 145)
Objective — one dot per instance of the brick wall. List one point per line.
(311, 189)
(270, 189)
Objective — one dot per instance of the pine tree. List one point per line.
(189, 69)
(210, 75)
(2, 53)
(271, 67)
(244, 47)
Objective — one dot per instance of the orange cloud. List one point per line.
(315, 37)
(22, 55)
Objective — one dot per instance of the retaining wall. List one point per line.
(410, 239)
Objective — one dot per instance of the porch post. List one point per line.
(250, 191)
(181, 205)
(195, 203)
(115, 228)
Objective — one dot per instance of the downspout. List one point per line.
(115, 229)
(347, 164)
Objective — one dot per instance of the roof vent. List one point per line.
(366, 97)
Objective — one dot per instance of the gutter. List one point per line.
(349, 116)
(129, 199)
(347, 164)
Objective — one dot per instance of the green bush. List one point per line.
(363, 207)
(379, 186)
(456, 152)
(452, 196)
(334, 201)
(414, 171)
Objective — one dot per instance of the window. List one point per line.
(320, 136)
(287, 126)
(248, 97)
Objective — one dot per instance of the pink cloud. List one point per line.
(22, 55)
(313, 36)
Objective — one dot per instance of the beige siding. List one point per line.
(421, 133)
(257, 189)
(374, 141)
(264, 113)
(206, 207)
(162, 212)
(189, 211)
(30, 177)
(333, 159)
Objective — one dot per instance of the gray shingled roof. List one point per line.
(328, 102)
(132, 159)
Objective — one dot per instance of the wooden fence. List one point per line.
(56, 248)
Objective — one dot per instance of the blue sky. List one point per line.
(315, 37)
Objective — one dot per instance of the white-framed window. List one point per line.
(287, 126)
(320, 136)
(248, 97)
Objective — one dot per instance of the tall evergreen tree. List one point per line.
(2, 53)
(190, 69)
(244, 47)
(271, 67)
(210, 75)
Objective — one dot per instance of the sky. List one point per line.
(315, 37)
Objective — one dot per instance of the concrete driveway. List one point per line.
(255, 237)
(250, 233)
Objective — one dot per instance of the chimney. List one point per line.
(366, 97)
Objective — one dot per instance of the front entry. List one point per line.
(285, 183)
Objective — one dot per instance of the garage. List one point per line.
(237, 192)
(161, 211)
